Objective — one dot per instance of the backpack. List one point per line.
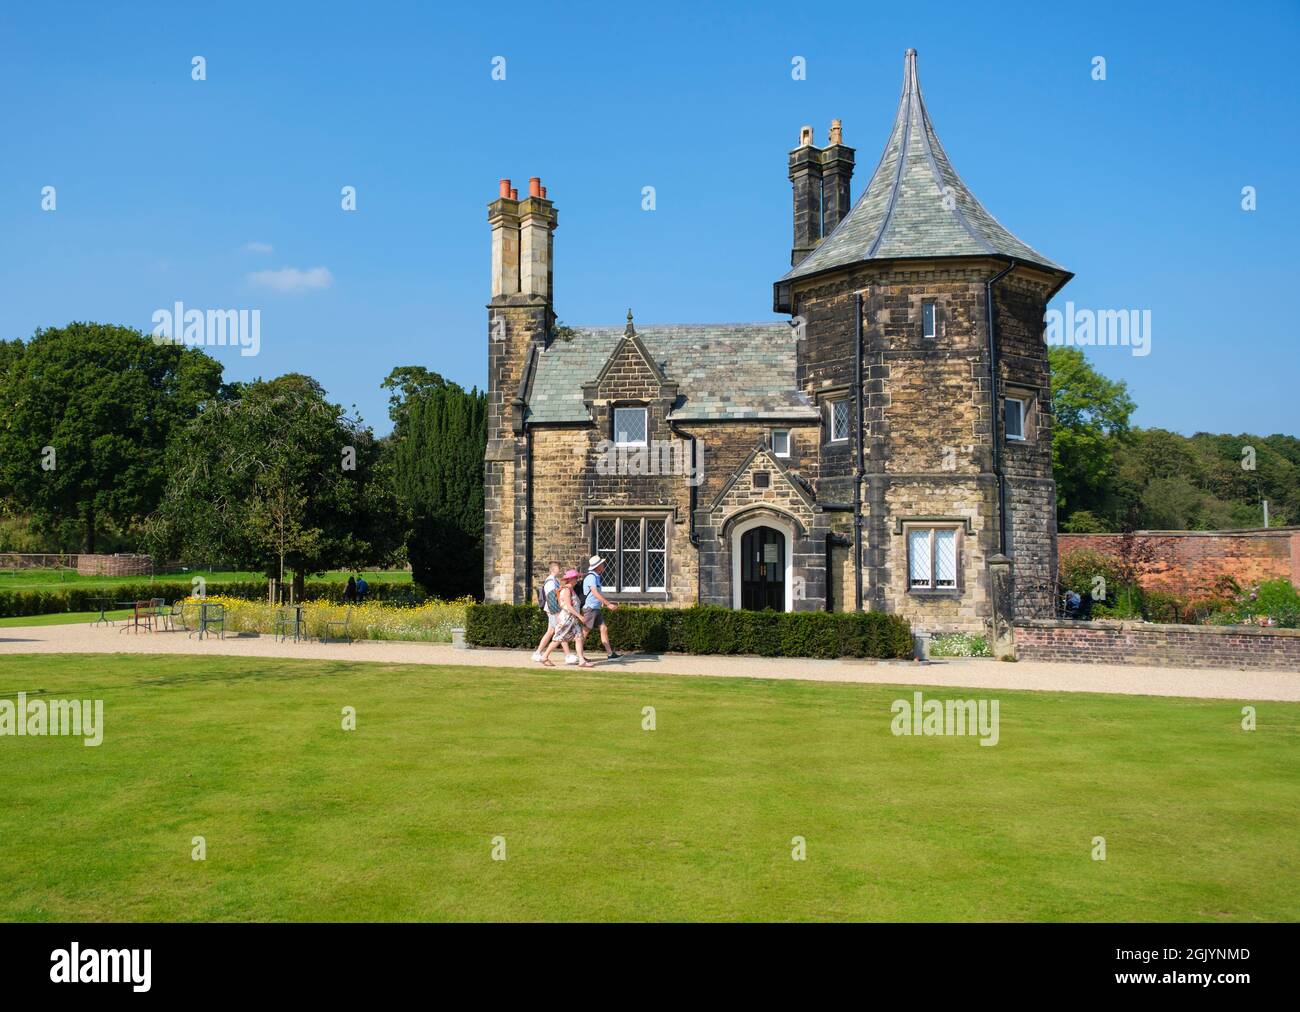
(580, 593)
(541, 597)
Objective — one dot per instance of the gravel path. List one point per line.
(968, 672)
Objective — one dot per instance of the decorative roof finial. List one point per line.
(629, 330)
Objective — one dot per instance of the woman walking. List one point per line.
(569, 627)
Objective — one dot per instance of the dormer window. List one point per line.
(928, 326)
(630, 426)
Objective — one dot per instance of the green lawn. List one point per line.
(603, 820)
(54, 579)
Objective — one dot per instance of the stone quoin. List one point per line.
(875, 449)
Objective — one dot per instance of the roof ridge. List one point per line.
(904, 113)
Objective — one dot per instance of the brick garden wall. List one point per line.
(1192, 560)
(1179, 646)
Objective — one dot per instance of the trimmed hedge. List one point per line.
(48, 602)
(710, 630)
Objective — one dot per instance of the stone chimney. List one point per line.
(837, 171)
(521, 317)
(820, 179)
(806, 179)
(503, 217)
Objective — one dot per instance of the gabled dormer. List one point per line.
(630, 398)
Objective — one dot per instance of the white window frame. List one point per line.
(645, 426)
(1024, 415)
(776, 435)
(933, 584)
(929, 327)
(848, 427)
(613, 579)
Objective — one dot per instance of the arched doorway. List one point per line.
(763, 555)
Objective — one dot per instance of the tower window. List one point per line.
(781, 442)
(932, 558)
(1013, 415)
(839, 420)
(928, 327)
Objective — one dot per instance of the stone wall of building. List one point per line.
(928, 426)
(1189, 562)
(1181, 646)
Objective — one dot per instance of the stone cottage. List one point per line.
(883, 446)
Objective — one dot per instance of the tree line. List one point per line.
(1112, 476)
(111, 442)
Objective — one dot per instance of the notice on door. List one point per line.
(771, 553)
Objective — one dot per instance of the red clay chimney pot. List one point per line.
(535, 186)
(505, 188)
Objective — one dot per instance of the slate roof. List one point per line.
(728, 370)
(902, 213)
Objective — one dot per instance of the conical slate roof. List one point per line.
(915, 204)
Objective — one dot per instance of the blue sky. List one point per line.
(172, 189)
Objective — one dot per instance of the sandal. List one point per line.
(547, 662)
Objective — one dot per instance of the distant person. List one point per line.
(350, 591)
(363, 588)
(592, 603)
(550, 604)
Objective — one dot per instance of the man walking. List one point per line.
(551, 606)
(593, 601)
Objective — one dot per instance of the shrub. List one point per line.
(1158, 606)
(1080, 567)
(504, 625)
(710, 629)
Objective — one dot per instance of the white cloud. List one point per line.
(258, 247)
(291, 279)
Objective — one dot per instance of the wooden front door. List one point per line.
(762, 569)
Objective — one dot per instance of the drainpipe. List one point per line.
(995, 415)
(857, 465)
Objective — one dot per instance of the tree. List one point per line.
(437, 467)
(1091, 420)
(89, 411)
(278, 477)
(274, 517)
(407, 382)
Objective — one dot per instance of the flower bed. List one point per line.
(430, 622)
